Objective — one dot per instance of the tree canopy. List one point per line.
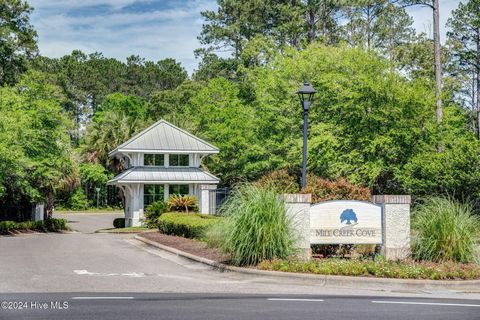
(374, 124)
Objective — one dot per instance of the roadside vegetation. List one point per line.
(379, 268)
(254, 231)
(445, 230)
(255, 226)
(49, 225)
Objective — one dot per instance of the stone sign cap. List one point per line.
(392, 199)
(297, 198)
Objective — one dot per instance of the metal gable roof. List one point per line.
(164, 136)
(164, 175)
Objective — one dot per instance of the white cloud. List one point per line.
(152, 34)
(77, 4)
(169, 28)
(423, 17)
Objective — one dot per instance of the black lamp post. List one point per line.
(305, 93)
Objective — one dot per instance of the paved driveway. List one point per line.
(117, 277)
(89, 222)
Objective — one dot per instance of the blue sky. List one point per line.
(153, 29)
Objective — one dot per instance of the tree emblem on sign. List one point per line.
(347, 216)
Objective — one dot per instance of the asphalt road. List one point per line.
(160, 285)
(89, 222)
(211, 307)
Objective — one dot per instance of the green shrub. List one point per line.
(445, 230)
(77, 200)
(281, 180)
(340, 189)
(184, 203)
(25, 225)
(188, 225)
(255, 226)
(119, 223)
(51, 224)
(54, 224)
(154, 211)
(6, 226)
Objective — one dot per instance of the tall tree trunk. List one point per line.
(474, 103)
(477, 70)
(438, 63)
(50, 201)
(369, 27)
(311, 22)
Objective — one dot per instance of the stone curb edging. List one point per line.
(329, 280)
(121, 232)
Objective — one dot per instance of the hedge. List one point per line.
(51, 224)
(188, 225)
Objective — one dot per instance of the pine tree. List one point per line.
(465, 32)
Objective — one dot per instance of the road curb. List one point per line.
(467, 286)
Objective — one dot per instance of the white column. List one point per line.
(165, 192)
(137, 208)
(396, 225)
(127, 192)
(204, 200)
(298, 211)
(166, 160)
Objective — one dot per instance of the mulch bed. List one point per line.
(191, 246)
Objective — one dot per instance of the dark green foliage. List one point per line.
(36, 160)
(188, 225)
(445, 230)
(18, 40)
(255, 228)
(77, 200)
(154, 211)
(54, 224)
(88, 79)
(464, 26)
(119, 223)
(51, 225)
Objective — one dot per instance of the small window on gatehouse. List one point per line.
(179, 160)
(156, 160)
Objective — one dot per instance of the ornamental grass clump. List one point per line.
(445, 230)
(255, 227)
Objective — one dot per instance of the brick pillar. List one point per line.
(298, 211)
(396, 225)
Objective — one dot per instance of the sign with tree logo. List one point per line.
(345, 222)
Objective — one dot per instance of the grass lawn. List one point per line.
(126, 230)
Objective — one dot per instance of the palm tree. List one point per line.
(105, 134)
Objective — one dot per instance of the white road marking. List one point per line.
(286, 299)
(429, 303)
(129, 274)
(102, 298)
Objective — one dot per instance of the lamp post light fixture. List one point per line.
(305, 93)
